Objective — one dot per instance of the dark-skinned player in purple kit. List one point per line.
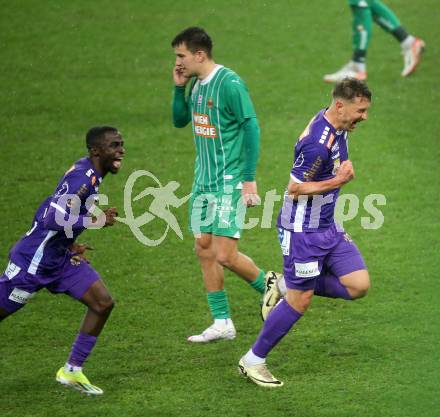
(48, 257)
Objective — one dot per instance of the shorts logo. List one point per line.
(12, 270)
(307, 270)
(20, 296)
(284, 237)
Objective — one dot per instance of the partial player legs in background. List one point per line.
(412, 47)
(361, 34)
(412, 54)
(364, 13)
(215, 253)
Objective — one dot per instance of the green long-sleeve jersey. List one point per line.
(218, 107)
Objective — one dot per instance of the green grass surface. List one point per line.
(69, 65)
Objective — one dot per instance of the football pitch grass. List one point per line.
(69, 65)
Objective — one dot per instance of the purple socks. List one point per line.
(81, 349)
(278, 323)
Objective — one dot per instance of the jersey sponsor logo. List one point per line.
(309, 174)
(12, 270)
(20, 296)
(203, 126)
(306, 270)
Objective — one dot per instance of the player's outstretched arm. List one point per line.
(344, 174)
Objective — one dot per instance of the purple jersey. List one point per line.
(44, 248)
(318, 153)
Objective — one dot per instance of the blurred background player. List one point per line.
(227, 140)
(319, 257)
(364, 13)
(48, 257)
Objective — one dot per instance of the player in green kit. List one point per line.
(365, 12)
(227, 140)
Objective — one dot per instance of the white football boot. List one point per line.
(259, 374)
(412, 56)
(221, 329)
(350, 70)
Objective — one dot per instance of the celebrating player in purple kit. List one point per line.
(48, 257)
(319, 257)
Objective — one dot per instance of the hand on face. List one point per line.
(179, 78)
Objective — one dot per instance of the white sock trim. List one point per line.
(407, 43)
(72, 368)
(222, 322)
(281, 283)
(252, 359)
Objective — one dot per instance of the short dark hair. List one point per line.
(195, 39)
(350, 88)
(96, 134)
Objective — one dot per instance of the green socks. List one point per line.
(218, 300)
(258, 283)
(218, 304)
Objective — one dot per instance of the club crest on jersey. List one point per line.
(299, 161)
(210, 103)
(64, 189)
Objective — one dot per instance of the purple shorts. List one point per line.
(18, 286)
(306, 255)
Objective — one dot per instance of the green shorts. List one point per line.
(217, 212)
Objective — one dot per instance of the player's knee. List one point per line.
(104, 305)
(299, 301)
(226, 259)
(202, 247)
(361, 288)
